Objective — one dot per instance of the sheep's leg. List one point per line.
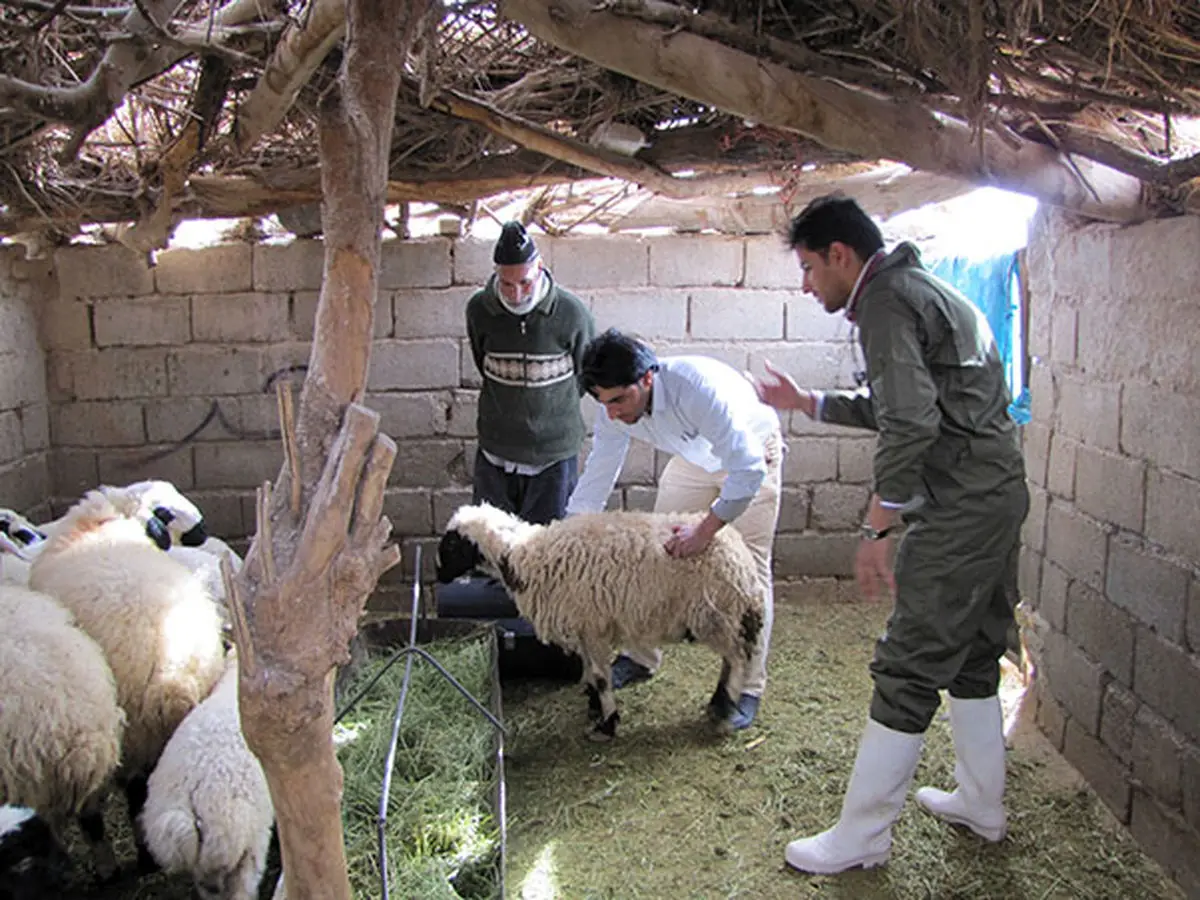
(602, 705)
(91, 825)
(135, 799)
(723, 703)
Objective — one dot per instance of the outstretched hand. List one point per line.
(779, 390)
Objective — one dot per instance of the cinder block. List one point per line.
(696, 260)
(1104, 632)
(410, 511)
(112, 374)
(587, 262)
(1162, 427)
(1158, 757)
(1064, 323)
(414, 365)
(1110, 487)
(750, 314)
(1150, 587)
(126, 466)
(793, 510)
(248, 417)
(732, 354)
(1042, 393)
(817, 366)
(462, 414)
(1051, 717)
(1035, 439)
(1190, 783)
(18, 321)
(810, 460)
(1090, 412)
(304, 314)
(142, 321)
(35, 427)
(471, 259)
(97, 424)
(770, 264)
(238, 318)
(856, 460)
(1167, 678)
(1083, 265)
(838, 507)
(1076, 680)
(808, 321)
(222, 511)
(112, 270)
(1052, 598)
(1193, 616)
(25, 483)
(297, 266)
(1041, 301)
(65, 324)
(415, 263)
(23, 378)
(224, 268)
(1033, 531)
(430, 313)
(652, 314)
(798, 423)
(12, 444)
(243, 464)
(639, 465)
(215, 370)
(808, 554)
(407, 415)
(1102, 771)
(1060, 473)
(1172, 502)
(433, 463)
(1077, 543)
(1167, 838)
(1117, 715)
(1155, 262)
(1029, 575)
(72, 472)
(639, 497)
(445, 502)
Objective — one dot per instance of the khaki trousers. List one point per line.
(685, 487)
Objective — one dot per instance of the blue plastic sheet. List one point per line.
(993, 285)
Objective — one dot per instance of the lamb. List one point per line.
(158, 627)
(208, 810)
(595, 582)
(60, 724)
(19, 539)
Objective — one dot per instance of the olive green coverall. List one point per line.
(949, 455)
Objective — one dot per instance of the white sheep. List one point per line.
(60, 723)
(208, 809)
(595, 582)
(158, 627)
(19, 539)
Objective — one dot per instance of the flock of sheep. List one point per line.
(115, 674)
(114, 671)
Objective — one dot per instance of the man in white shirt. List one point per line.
(727, 453)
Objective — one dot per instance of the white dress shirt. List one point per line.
(701, 409)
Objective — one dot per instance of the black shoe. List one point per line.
(626, 671)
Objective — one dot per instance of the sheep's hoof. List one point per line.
(605, 730)
(721, 708)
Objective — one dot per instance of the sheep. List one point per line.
(595, 582)
(32, 860)
(19, 539)
(157, 625)
(208, 810)
(60, 725)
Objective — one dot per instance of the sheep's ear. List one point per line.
(157, 532)
(194, 536)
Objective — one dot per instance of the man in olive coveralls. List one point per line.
(948, 469)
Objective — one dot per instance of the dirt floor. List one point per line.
(669, 811)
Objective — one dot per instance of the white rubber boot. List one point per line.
(978, 801)
(863, 835)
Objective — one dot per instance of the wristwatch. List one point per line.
(871, 534)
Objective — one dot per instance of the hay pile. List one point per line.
(668, 811)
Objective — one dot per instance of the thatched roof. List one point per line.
(151, 110)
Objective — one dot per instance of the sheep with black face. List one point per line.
(595, 582)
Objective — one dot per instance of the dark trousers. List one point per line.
(956, 580)
(540, 498)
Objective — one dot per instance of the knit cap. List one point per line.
(515, 246)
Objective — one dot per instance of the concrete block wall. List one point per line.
(1111, 556)
(24, 412)
(163, 371)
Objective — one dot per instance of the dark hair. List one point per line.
(613, 359)
(835, 217)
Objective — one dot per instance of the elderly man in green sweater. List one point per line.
(948, 470)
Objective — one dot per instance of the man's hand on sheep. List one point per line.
(692, 540)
